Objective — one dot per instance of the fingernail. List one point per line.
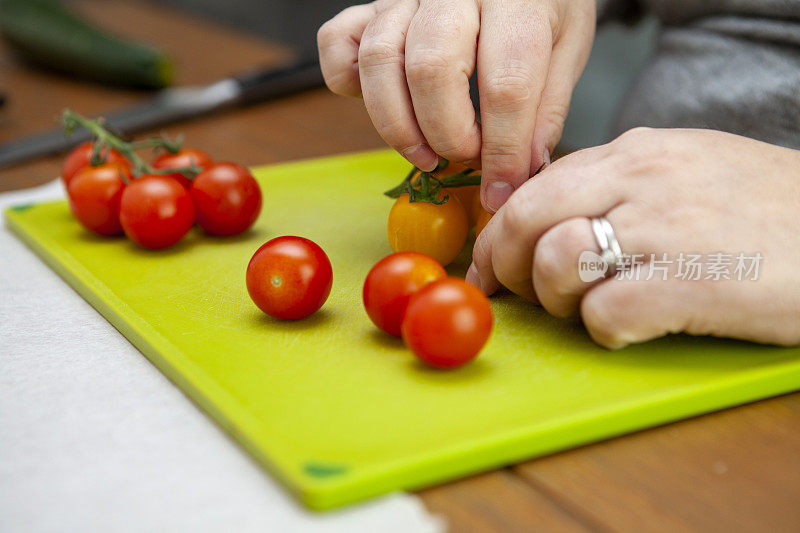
(497, 192)
(422, 157)
(546, 156)
(473, 277)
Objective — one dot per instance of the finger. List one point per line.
(619, 312)
(472, 276)
(440, 58)
(338, 41)
(583, 184)
(657, 300)
(570, 53)
(556, 279)
(567, 262)
(513, 60)
(480, 272)
(381, 63)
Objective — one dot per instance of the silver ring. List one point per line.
(610, 250)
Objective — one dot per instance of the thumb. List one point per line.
(570, 53)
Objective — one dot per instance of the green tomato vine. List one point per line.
(427, 187)
(423, 186)
(104, 140)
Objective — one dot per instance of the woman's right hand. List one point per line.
(411, 61)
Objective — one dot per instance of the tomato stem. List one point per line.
(172, 146)
(105, 140)
(427, 187)
(404, 187)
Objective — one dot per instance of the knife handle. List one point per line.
(267, 83)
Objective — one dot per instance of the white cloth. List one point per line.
(94, 438)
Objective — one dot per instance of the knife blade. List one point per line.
(175, 104)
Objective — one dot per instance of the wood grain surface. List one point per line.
(736, 470)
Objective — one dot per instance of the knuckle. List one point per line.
(634, 141)
(327, 34)
(555, 258)
(580, 159)
(516, 216)
(645, 151)
(377, 52)
(635, 134)
(548, 263)
(501, 159)
(428, 67)
(392, 127)
(441, 31)
(553, 116)
(508, 89)
(501, 147)
(445, 23)
(466, 149)
(557, 188)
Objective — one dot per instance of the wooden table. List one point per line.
(736, 470)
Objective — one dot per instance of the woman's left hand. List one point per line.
(683, 193)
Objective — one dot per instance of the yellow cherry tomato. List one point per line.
(483, 218)
(469, 197)
(439, 231)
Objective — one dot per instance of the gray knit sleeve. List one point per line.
(728, 73)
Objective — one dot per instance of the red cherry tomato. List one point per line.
(156, 211)
(186, 157)
(81, 156)
(390, 284)
(94, 195)
(227, 199)
(447, 322)
(289, 277)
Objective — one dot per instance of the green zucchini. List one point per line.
(47, 33)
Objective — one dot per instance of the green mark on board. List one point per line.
(324, 470)
(19, 208)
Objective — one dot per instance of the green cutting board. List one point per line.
(341, 412)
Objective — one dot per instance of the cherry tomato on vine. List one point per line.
(94, 195)
(156, 211)
(390, 284)
(289, 277)
(81, 156)
(435, 230)
(469, 196)
(484, 217)
(447, 323)
(227, 199)
(186, 157)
